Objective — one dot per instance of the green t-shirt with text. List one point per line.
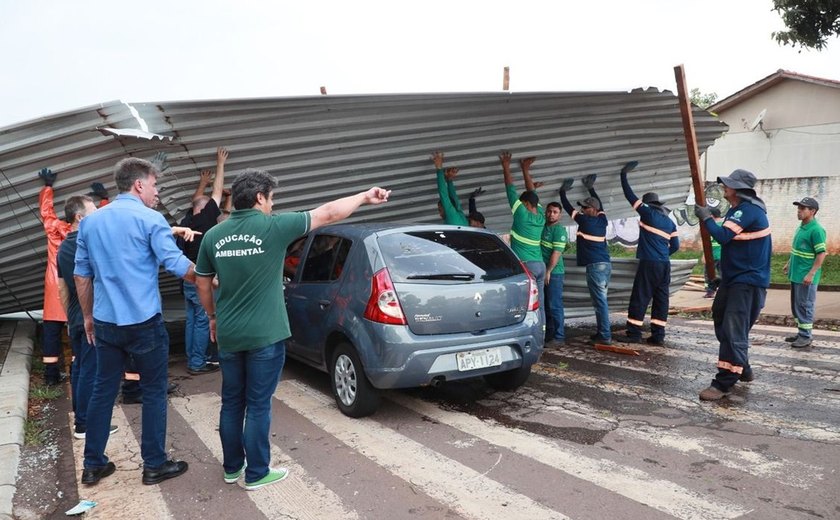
(554, 238)
(246, 252)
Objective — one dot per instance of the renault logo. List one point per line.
(477, 298)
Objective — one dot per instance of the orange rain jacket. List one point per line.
(56, 229)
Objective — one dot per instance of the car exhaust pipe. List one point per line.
(437, 381)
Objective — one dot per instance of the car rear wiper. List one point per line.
(442, 276)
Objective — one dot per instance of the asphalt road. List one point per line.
(592, 435)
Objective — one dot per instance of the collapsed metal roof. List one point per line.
(320, 148)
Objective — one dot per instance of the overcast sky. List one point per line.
(60, 55)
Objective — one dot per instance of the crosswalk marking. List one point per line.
(459, 487)
(629, 482)
(291, 498)
(110, 492)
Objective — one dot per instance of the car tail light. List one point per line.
(533, 292)
(383, 306)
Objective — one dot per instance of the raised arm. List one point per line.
(219, 179)
(510, 189)
(340, 209)
(450, 174)
(525, 165)
(564, 200)
(203, 181)
(476, 192)
(628, 191)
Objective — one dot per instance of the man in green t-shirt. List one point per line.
(528, 222)
(553, 243)
(449, 205)
(804, 269)
(248, 320)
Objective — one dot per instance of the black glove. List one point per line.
(589, 181)
(703, 212)
(567, 185)
(476, 192)
(98, 189)
(630, 166)
(47, 176)
(159, 162)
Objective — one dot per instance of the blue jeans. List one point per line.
(803, 298)
(197, 331)
(148, 344)
(83, 374)
(554, 308)
(249, 379)
(598, 280)
(537, 269)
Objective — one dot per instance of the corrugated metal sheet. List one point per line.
(320, 148)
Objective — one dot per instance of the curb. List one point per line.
(14, 400)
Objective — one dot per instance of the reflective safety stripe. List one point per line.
(735, 228)
(591, 238)
(675, 234)
(819, 248)
(655, 231)
(515, 206)
(553, 245)
(50, 359)
(661, 323)
(803, 254)
(132, 376)
(754, 235)
(806, 326)
(72, 358)
(725, 365)
(635, 322)
(526, 241)
(637, 204)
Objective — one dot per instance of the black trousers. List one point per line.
(651, 283)
(735, 309)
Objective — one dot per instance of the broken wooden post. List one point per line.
(694, 164)
(324, 91)
(506, 80)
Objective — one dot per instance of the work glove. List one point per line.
(476, 192)
(98, 189)
(567, 185)
(630, 166)
(589, 181)
(159, 162)
(47, 176)
(703, 212)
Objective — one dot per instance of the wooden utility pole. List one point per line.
(323, 91)
(694, 164)
(506, 79)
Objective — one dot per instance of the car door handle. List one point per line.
(324, 304)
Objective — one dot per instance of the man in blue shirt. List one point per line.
(119, 250)
(657, 242)
(745, 251)
(592, 252)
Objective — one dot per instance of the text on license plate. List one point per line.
(475, 359)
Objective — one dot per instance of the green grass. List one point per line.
(34, 432)
(45, 392)
(830, 269)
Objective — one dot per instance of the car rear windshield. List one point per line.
(447, 256)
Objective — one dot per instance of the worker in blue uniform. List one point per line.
(592, 252)
(658, 240)
(746, 244)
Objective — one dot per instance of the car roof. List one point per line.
(376, 228)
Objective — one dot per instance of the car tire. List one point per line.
(510, 379)
(353, 393)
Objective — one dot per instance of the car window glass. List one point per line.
(325, 259)
(447, 256)
(292, 260)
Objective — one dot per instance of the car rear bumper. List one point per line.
(414, 360)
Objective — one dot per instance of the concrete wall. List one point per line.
(779, 195)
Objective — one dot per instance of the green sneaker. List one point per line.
(274, 475)
(231, 478)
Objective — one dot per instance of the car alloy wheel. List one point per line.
(345, 380)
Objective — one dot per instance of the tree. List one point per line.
(703, 100)
(810, 23)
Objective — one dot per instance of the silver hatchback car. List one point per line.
(381, 306)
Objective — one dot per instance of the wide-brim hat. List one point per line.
(738, 180)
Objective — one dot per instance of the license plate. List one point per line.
(475, 359)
